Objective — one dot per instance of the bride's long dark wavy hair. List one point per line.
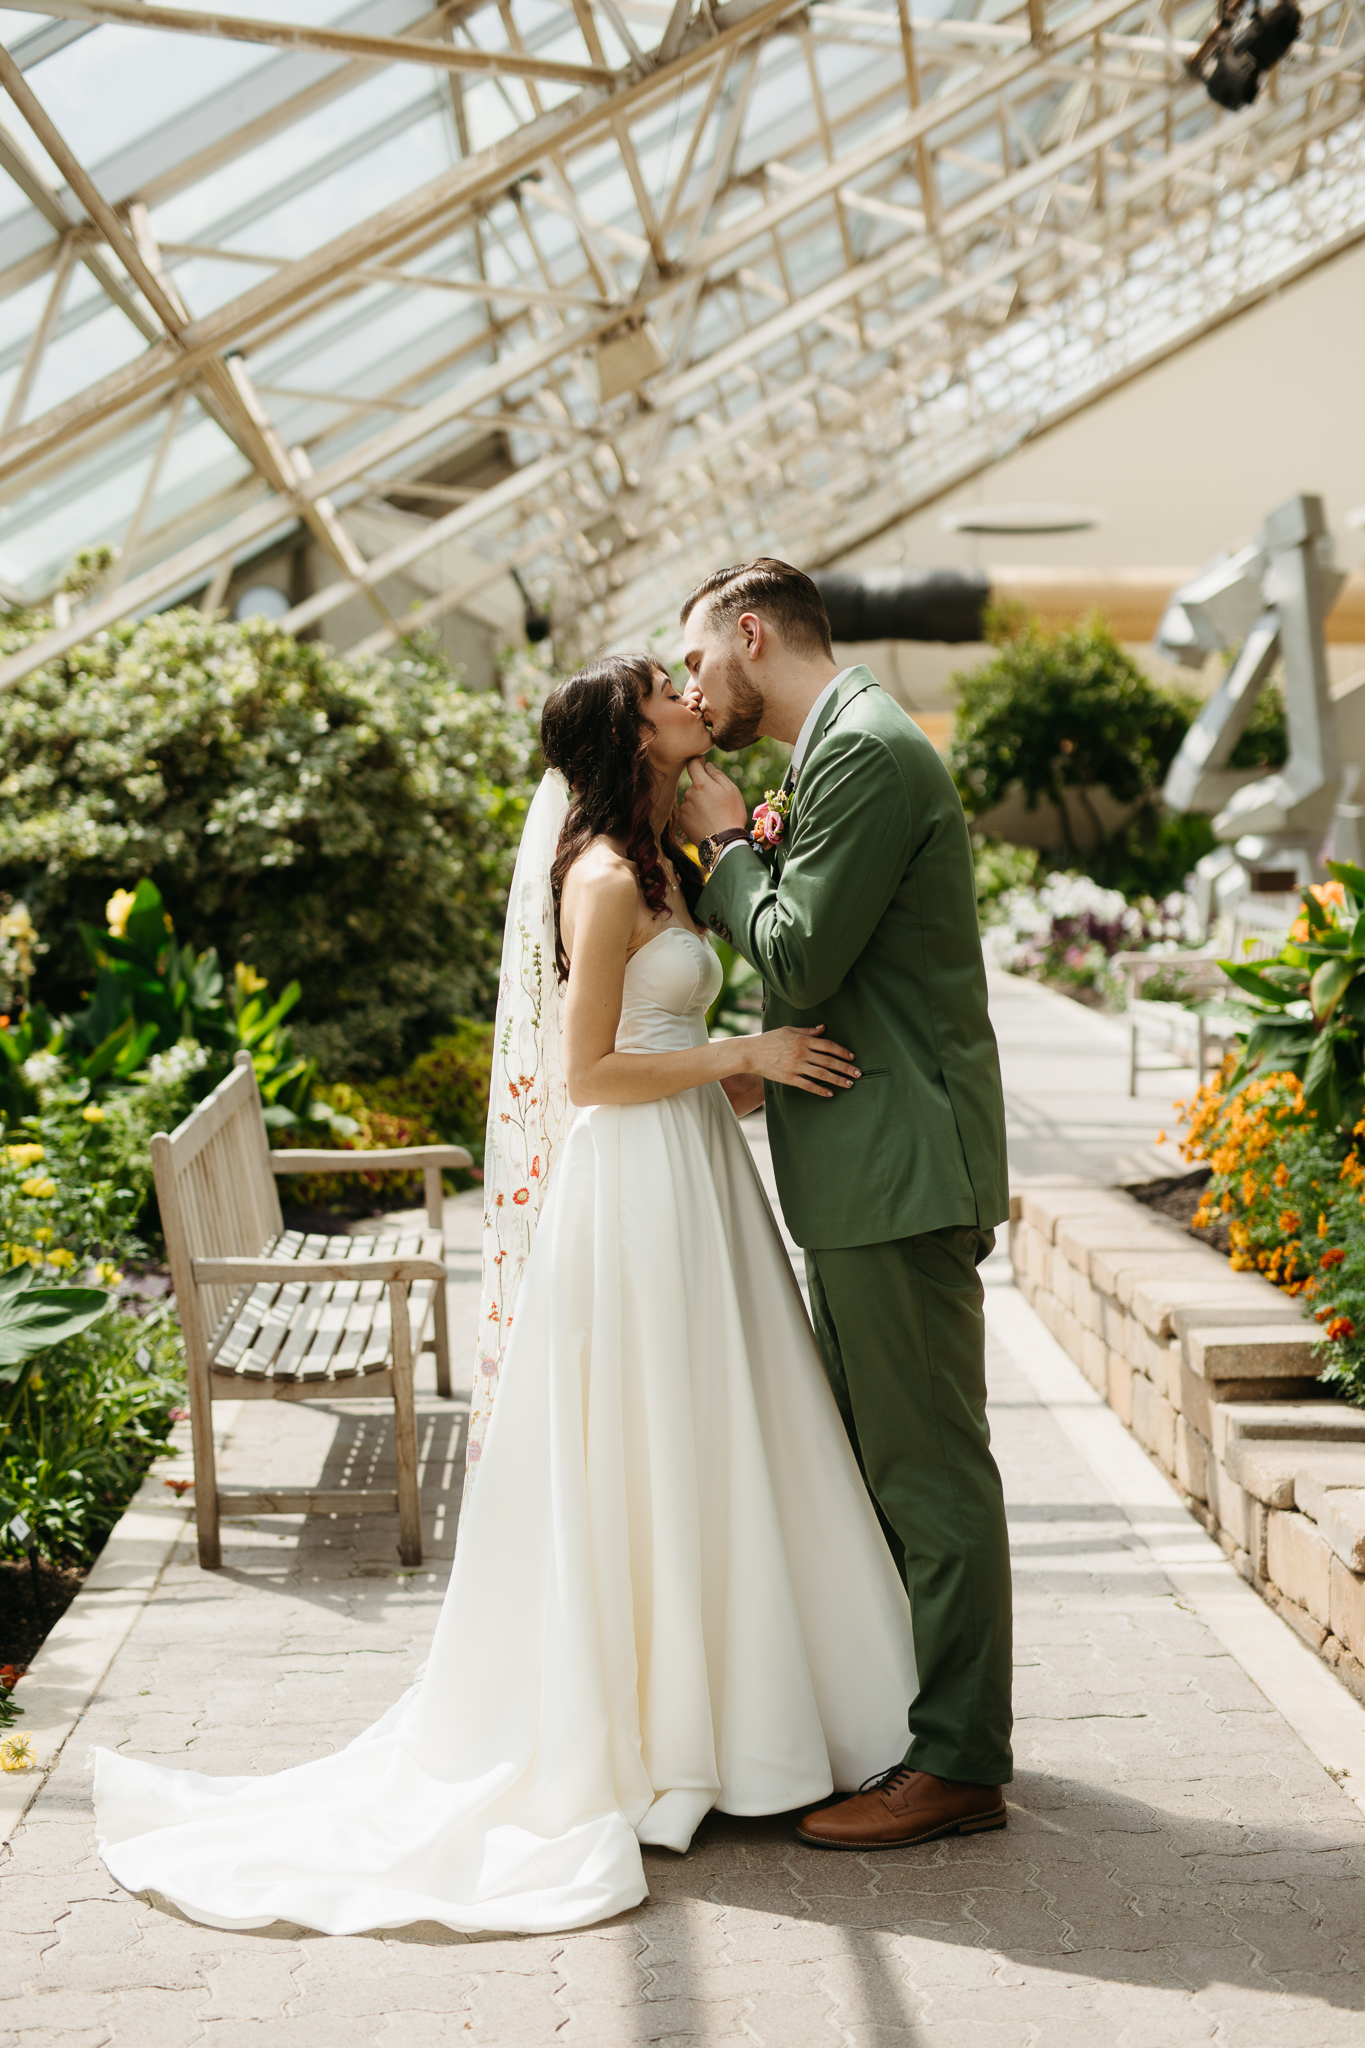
(594, 730)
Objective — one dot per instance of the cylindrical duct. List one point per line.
(947, 604)
(904, 604)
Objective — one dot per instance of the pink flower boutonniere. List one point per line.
(770, 819)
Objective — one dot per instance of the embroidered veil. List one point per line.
(529, 1112)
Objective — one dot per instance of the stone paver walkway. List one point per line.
(1177, 1867)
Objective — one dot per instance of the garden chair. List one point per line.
(276, 1315)
(1188, 1038)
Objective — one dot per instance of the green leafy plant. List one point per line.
(1305, 1009)
(59, 1207)
(88, 1418)
(351, 828)
(446, 1088)
(33, 1318)
(1065, 710)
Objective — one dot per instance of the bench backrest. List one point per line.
(216, 1192)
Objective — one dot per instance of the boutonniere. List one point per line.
(770, 819)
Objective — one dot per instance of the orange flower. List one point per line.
(1333, 1257)
(1289, 1221)
(1281, 1175)
(522, 1195)
(1340, 1328)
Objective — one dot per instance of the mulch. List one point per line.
(23, 1621)
(1178, 1197)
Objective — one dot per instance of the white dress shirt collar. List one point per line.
(807, 732)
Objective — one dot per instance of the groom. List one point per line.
(863, 919)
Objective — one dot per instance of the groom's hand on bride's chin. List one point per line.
(712, 804)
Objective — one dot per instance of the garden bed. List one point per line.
(24, 1621)
(1215, 1371)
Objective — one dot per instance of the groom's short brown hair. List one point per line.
(776, 591)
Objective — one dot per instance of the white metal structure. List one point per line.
(716, 278)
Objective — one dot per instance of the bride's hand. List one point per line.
(801, 1057)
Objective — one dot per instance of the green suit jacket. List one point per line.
(866, 922)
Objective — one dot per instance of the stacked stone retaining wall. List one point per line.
(1215, 1374)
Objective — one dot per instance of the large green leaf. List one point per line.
(1350, 877)
(1329, 985)
(1255, 983)
(1319, 1077)
(32, 1317)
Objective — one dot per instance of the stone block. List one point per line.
(1081, 1236)
(1339, 1514)
(1154, 1296)
(1119, 1388)
(1086, 1304)
(1264, 1351)
(1119, 1272)
(1191, 1460)
(1114, 1322)
(1060, 1275)
(1258, 1302)
(1299, 1562)
(1196, 1399)
(1049, 1310)
(1154, 1422)
(1044, 1207)
(1306, 1421)
(1347, 1600)
(1314, 1633)
(1095, 1360)
(1266, 1471)
(1152, 1356)
(1070, 1336)
(1239, 1514)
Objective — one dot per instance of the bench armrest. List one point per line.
(248, 1272)
(404, 1158)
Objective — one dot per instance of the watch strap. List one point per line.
(714, 841)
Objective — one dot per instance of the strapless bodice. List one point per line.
(670, 985)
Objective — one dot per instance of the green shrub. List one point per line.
(83, 1426)
(446, 1089)
(1062, 710)
(353, 828)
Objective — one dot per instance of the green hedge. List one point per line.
(353, 827)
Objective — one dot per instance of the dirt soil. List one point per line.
(1178, 1197)
(22, 1624)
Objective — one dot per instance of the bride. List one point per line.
(670, 1590)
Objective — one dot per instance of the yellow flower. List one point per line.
(61, 1258)
(108, 1274)
(39, 1189)
(116, 911)
(45, 1235)
(24, 1155)
(249, 982)
(25, 1254)
(16, 1753)
(92, 1113)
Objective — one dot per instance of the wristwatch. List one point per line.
(709, 850)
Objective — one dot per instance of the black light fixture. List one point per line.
(1244, 43)
(537, 621)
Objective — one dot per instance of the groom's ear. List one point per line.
(754, 634)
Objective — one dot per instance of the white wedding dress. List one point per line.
(670, 1591)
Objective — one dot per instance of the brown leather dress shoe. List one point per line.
(902, 1807)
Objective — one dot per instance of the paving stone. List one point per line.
(1253, 1351)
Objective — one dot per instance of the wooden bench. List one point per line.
(275, 1315)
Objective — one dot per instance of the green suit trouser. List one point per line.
(902, 1335)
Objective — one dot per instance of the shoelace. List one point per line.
(888, 1780)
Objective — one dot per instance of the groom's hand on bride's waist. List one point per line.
(712, 804)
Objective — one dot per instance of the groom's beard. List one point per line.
(743, 719)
